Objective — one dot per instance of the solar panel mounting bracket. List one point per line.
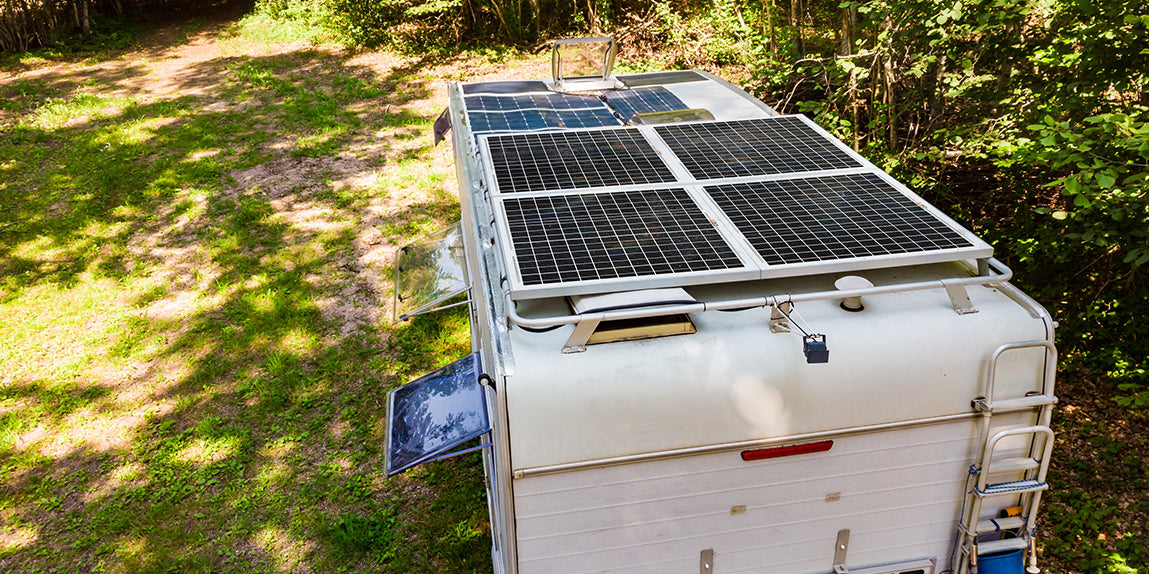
(959, 298)
(576, 343)
(779, 321)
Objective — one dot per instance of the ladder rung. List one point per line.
(1010, 523)
(1013, 465)
(1014, 487)
(993, 546)
(1022, 403)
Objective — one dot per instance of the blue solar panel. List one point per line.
(543, 101)
(524, 112)
(482, 122)
(643, 101)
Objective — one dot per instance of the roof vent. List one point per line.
(850, 283)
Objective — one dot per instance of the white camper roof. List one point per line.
(746, 211)
(907, 356)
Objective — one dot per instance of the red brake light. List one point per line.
(780, 451)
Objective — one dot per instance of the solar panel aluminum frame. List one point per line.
(519, 290)
(466, 113)
(684, 173)
(491, 179)
(979, 249)
(755, 265)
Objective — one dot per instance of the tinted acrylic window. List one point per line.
(434, 414)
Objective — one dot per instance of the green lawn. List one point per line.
(195, 336)
(196, 234)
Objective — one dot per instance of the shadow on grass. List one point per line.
(226, 409)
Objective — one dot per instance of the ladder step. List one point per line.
(1022, 403)
(1013, 465)
(996, 524)
(1014, 487)
(995, 546)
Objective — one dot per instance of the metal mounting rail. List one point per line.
(1000, 274)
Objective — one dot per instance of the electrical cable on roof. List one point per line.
(788, 317)
(813, 344)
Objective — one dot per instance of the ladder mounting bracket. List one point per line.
(706, 561)
(840, 547)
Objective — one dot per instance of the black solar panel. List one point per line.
(716, 150)
(522, 120)
(584, 237)
(572, 160)
(831, 218)
(643, 101)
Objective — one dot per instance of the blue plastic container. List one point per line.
(1012, 562)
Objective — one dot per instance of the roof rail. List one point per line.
(993, 272)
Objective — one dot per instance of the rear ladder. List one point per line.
(975, 534)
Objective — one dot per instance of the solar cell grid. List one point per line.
(483, 122)
(544, 101)
(571, 160)
(585, 237)
(831, 218)
(716, 150)
(630, 102)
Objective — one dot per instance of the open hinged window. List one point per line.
(583, 64)
(430, 273)
(435, 414)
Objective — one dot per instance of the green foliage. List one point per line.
(374, 534)
(1044, 101)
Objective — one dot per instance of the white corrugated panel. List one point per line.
(899, 492)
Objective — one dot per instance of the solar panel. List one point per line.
(646, 100)
(523, 120)
(832, 218)
(716, 150)
(571, 160)
(596, 236)
(537, 101)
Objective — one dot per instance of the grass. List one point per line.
(194, 342)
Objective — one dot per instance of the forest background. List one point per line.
(1026, 120)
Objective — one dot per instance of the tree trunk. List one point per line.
(937, 95)
(891, 101)
(849, 17)
(85, 25)
(770, 18)
(796, 28)
(854, 105)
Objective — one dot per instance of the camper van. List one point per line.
(709, 337)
